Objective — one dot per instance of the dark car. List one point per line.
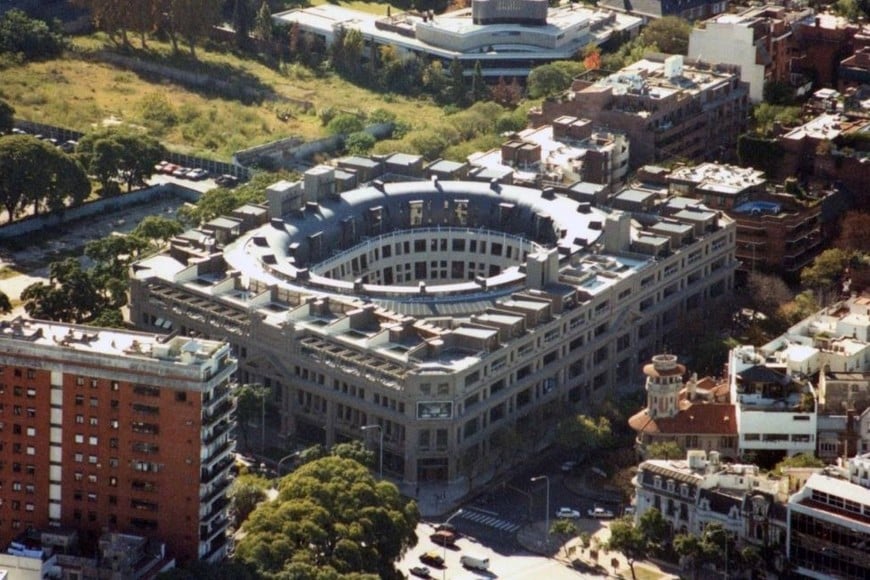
(447, 528)
(420, 571)
(432, 558)
(227, 180)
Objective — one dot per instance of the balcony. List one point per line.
(219, 489)
(208, 475)
(220, 412)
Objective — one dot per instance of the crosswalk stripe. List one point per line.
(490, 521)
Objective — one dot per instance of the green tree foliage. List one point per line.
(108, 153)
(564, 528)
(800, 460)
(584, 433)
(628, 540)
(551, 79)
(826, 271)
(157, 230)
(853, 232)
(312, 453)
(7, 117)
(263, 23)
(665, 450)
(222, 201)
(759, 152)
(669, 35)
(767, 116)
(330, 515)
(457, 83)
(710, 548)
(34, 39)
(355, 450)
(244, 494)
(250, 405)
(778, 93)
(5, 303)
(479, 90)
(345, 124)
(34, 172)
(359, 143)
(70, 294)
(111, 257)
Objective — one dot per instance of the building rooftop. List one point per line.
(719, 178)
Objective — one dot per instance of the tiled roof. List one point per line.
(703, 419)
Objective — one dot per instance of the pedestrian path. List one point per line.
(489, 519)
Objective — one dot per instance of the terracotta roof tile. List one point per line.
(703, 419)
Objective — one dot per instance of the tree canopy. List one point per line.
(330, 517)
(665, 450)
(245, 493)
(584, 433)
(670, 34)
(826, 271)
(5, 303)
(108, 153)
(29, 37)
(7, 117)
(551, 79)
(798, 460)
(33, 172)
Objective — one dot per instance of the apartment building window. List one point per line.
(92, 478)
(146, 391)
(31, 450)
(115, 385)
(80, 419)
(92, 459)
(31, 431)
(79, 438)
(146, 409)
(94, 401)
(31, 393)
(92, 440)
(80, 381)
(93, 421)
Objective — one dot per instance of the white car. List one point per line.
(599, 513)
(568, 466)
(566, 512)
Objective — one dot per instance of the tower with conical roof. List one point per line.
(664, 379)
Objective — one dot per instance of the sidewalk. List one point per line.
(593, 560)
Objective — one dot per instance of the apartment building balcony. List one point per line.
(220, 468)
(217, 489)
(218, 453)
(217, 396)
(219, 412)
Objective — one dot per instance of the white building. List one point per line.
(829, 523)
(508, 45)
(775, 410)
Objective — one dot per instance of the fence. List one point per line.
(98, 207)
(62, 134)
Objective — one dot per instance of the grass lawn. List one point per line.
(80, 93)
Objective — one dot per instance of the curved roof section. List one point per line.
(284, 249)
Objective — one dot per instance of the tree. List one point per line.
(7, 117)
(35, 39)
(825, 271)
(198, 570)
(244, 494)
(552, 79)
(312, 453)
(5, 303)
(566, 529)
(345, 124)
(628, 540)
(359, 143)
(479, 90)
(190, 19)
(243, 19)
(111, 152)
(263, 23)
(710, 547)
(655, 529)
(70, 294)
(584, 433)
(853, 230)
(355, 450)
(34, 172)
(669, 34)
(665, 450)
(767, 292)
(250, 406)
(592, 56)
(331, 515)
(157, 229)
(457, 83)
(799, 460)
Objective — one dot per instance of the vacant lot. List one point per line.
(79, 92)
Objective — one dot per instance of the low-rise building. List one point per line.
(829, 523)
(693, 414)
(757, 39)
(507, 39)
(568, 151)
(655, 9)
(667, 106)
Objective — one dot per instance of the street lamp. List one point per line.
(285, 458)
(380, 446)
(444, 545)
(547, 513)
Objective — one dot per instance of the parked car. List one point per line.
(432, 558)
(566, 512)
(197, 173)
(227, 180)
(447, 528)
(568, 466)
(629, 511)
(443, 538)
(69, 146)
(419, 571)
(169, 168)
(599, 513)
(181, 172)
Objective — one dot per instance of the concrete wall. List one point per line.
(98, 207)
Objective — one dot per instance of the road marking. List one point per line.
(490, 521)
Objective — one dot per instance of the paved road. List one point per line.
(516, 565)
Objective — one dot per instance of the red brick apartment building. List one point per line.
(107, 430)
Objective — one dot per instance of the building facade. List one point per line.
(108, 430)
(668, 106)
(457, 316)
(829, 523)
(508, 39)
